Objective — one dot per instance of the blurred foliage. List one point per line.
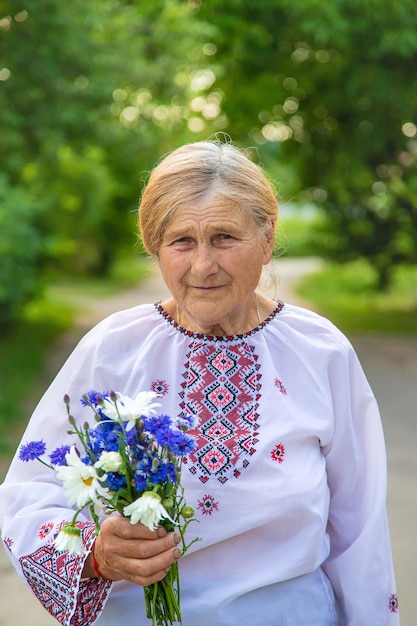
(92, 94)
(329, 89)
(22, 359)
(20, 247)
(28, 344)
(300, 235)
(348, 294)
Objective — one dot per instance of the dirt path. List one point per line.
(391, 366)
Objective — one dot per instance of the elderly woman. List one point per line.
(288, 478)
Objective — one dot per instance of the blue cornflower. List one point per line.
(171, 472)
(168, 437)
(161, 473)
(103, 416)
(104, 438)
(155, 479)
(144, 469)
(57, 457)
(95, 449)
(115, 481)
(95, 442)
(141, 481)
(156, 423)
(111, 442)
(133, 437)
(94, 397)
(182, 445)
(32, 451)
(145, 464)
(136, 456)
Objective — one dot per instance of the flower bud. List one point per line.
(109, 462)
(168, 503)
(187, 511)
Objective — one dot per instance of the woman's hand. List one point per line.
(125, 551)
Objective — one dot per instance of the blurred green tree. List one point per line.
(19, 250)
(91, 94)
(328, 93)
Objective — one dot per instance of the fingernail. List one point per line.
(177, 553)
(161, 531)
(177, 538)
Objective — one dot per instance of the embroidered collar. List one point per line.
(194, 335)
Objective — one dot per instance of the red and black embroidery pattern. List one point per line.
(278, 453)
(190, 333)
(208, 505)
(278, 383)
(8, 542)
(52, 577)
(222, 387)
(160, 387)
(393, 603)
(45, 530)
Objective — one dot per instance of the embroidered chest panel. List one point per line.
(221, 386)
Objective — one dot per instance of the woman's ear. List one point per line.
(269, 241)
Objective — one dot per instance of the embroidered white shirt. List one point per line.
(288, 481)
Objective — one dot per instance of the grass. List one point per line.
(346, 294)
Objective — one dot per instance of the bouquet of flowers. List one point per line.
(128, 461)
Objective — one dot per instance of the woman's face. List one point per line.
(211, 257)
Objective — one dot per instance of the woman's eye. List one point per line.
(224, 236)
(184, 239)
(182, 242)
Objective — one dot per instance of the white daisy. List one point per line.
(69, 540)
(147, 510)
(81, 482)
(131, 409)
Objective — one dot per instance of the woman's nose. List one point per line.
(204, 261)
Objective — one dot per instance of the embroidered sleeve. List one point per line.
(54, 578)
